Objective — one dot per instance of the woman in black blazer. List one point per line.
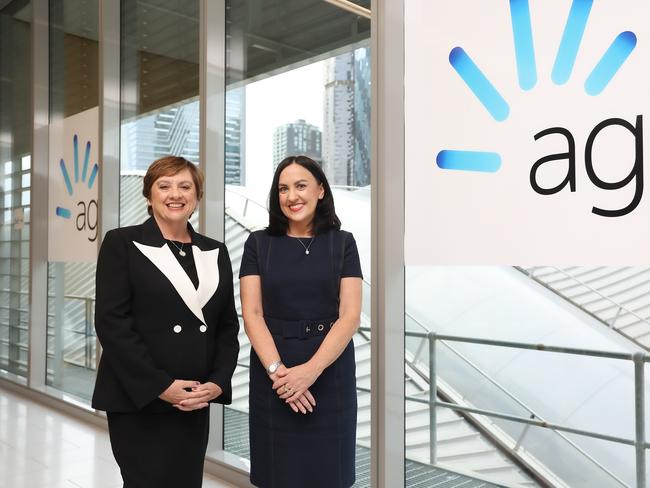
(165, 316)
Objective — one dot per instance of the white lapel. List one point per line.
(165, 261)
(207, 268)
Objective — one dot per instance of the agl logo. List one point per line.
(85, 211)
(602, 73)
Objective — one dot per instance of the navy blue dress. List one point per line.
(300, 295)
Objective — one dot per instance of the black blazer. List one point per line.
(154, 326)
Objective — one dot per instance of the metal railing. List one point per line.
(620, 309)
(88, 331)
(639, 359)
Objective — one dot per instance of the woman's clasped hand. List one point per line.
(292, 383)
(299, 398)
(190, 395)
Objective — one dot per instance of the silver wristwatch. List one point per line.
(273, 367)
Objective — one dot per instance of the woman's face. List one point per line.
(173, 198)
(299, 193)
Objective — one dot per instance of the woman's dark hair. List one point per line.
(325, 218)
(170, 166)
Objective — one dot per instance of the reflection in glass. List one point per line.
(159, 95)
(74, 88)
(301, 78)
(15, 171)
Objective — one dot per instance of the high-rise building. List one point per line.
(296, 138)
(346, 124)
(171, 131)
(175, 131)
(235, 143)
(338, 119)
(362, 98)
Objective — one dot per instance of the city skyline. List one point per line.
(345, 134)
(254, 112)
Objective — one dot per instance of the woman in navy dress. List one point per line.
(301, 302)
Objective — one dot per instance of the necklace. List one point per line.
(308, 245)
(180, 249)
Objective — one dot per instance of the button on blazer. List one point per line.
(154, 326)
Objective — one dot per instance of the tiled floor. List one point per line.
(42, 448)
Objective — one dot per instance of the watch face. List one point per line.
(273, 367)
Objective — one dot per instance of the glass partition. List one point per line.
(540, 306)
(159, 93)
(298, 82)
(15, 169)
(74, 100)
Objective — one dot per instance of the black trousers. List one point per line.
(162, 450)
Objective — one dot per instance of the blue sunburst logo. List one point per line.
(64, 212)
(497, 106)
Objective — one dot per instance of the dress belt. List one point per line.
(299, 329)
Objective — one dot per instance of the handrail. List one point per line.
(639, 359)
(591, 289)
(88, 327)
(535, 347)
(534, 414)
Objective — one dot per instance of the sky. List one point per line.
(272, 102)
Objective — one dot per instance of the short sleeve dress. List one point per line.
(300, 296)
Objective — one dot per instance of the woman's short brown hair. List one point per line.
(169, 166)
